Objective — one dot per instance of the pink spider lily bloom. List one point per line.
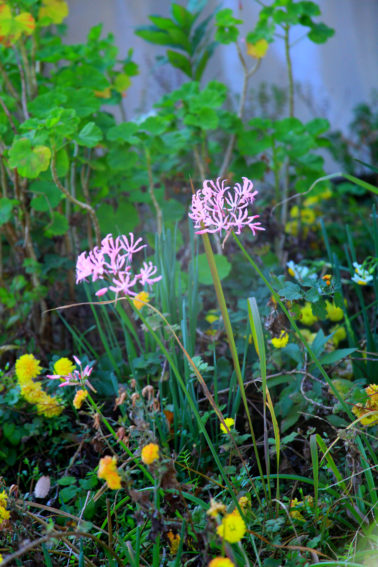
(132, 247)
(112, 261)
(76, 377)
(124, 282)
(147, 272)
(218, 207)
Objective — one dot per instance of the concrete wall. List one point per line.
(332, 78)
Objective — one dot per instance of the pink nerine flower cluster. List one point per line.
(217, 207)
(112, 262)
(76, 377)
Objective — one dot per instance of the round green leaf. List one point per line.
(204, 274)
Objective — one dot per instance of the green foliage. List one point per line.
(182, 33)
(299, 454)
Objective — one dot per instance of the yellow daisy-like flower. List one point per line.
(281, 341)
(232, 528)
(4, 513)
(339, 334)
(370, 417)
(306, 315)
(334, 313)
(49, 406)
(370, 407)
(150, 453)
(221, 562)
(174, 542)
(64, 367)
(107, 470)
(27, 367)
(229, 422)
(140, 299)
(79, 398)
(32, 392)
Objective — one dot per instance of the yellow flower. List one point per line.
(296, 514)
(150, 453)
(372, 392)
(211, 316)
(140, 299)
(335, 314)
(339, 334)
(27, 367)
(107, 470)
(232, 528)
(79, 398)
(215, 508)
(229, 422)
(174, 542)
(370, 407)
(370, 416)
(307, 317)
(221, 562)
(4, 514)
(306, 215)
(281, 341)
(309, 337)
(244, 503)
(32, 392)
(3, 499)
(292, 227)
(49, 406)
(257, 50)
(64, 367)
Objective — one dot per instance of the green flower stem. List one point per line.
(231, 342)
(192, 407)
(146, 473)
(313, 357)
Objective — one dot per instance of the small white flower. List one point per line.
(361, 276)
(299, 272)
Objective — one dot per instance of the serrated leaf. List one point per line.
(89, 136)
(30, 162)
(291, 291)
(312, 295)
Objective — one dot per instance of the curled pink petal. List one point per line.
(217, 207)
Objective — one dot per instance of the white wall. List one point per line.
(334, 76)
